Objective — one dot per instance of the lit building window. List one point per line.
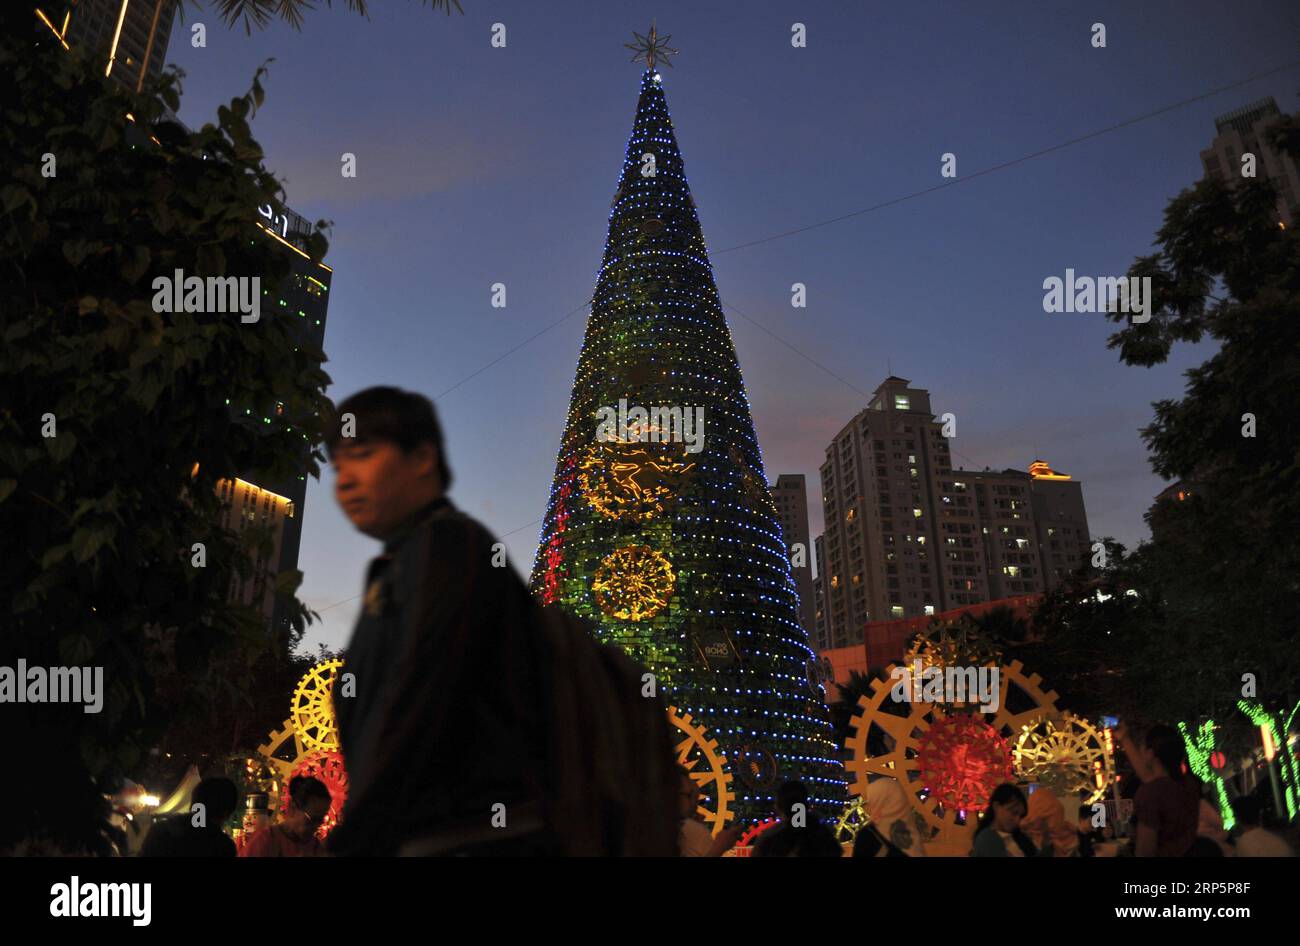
(902, 402)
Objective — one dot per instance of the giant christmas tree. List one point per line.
(660, 527)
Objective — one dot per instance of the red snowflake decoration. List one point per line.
(961, 760)
(328, 767)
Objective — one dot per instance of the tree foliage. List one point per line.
(1217, 588)
(101, 518)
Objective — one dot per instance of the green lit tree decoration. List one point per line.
(1200, 747)
(1278, 727)
(721, 635)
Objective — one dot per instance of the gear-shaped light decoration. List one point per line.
(853, 818)
(312, 707)
(961, 760)
(1021, 701)
(633, 583)
(311, 726)
(281, 751)
(751, 835)
(328, 768)
(1067, 754)
(699, 755)
(960, 644)
(631, 480)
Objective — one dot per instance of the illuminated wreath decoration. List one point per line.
(630, 479)
(328, 767)
(312, 707)
(1067, 754)
(903, 727)
(961, 760)
(699, 756)
(633, 583)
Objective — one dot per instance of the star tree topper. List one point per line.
(651, 47)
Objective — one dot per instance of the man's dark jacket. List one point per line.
(469, 694)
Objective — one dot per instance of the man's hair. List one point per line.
(303, 788)
(219, 797)
(1166, 743)
(390, 414)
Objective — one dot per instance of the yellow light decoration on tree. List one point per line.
(629, 479)
(633, 583)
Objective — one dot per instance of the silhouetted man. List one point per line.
(444, 738)
(799, 833)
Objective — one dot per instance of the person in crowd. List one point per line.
(695, 839)
(295, 834)
(1045, 824)
(1087, 833)
(448, 675)
(800, 833)
(891, 830)
(1256, 840)
(1211, 838)
(999, 833)
(1166, 808)
(198, 832)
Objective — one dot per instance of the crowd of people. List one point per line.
(1171, 818)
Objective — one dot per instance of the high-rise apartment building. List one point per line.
(820, 636)
(128, 38)
(879, 481)
(1064, 542)
(1241, 132)
(790, 494)
(304, 300)
(907, 535)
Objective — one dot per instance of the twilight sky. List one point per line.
(479, 165)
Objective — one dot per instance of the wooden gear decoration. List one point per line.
(312, 708)
(328, 768)
(307, 743)
(906, 732)
(1065, 753)
(699, 756)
